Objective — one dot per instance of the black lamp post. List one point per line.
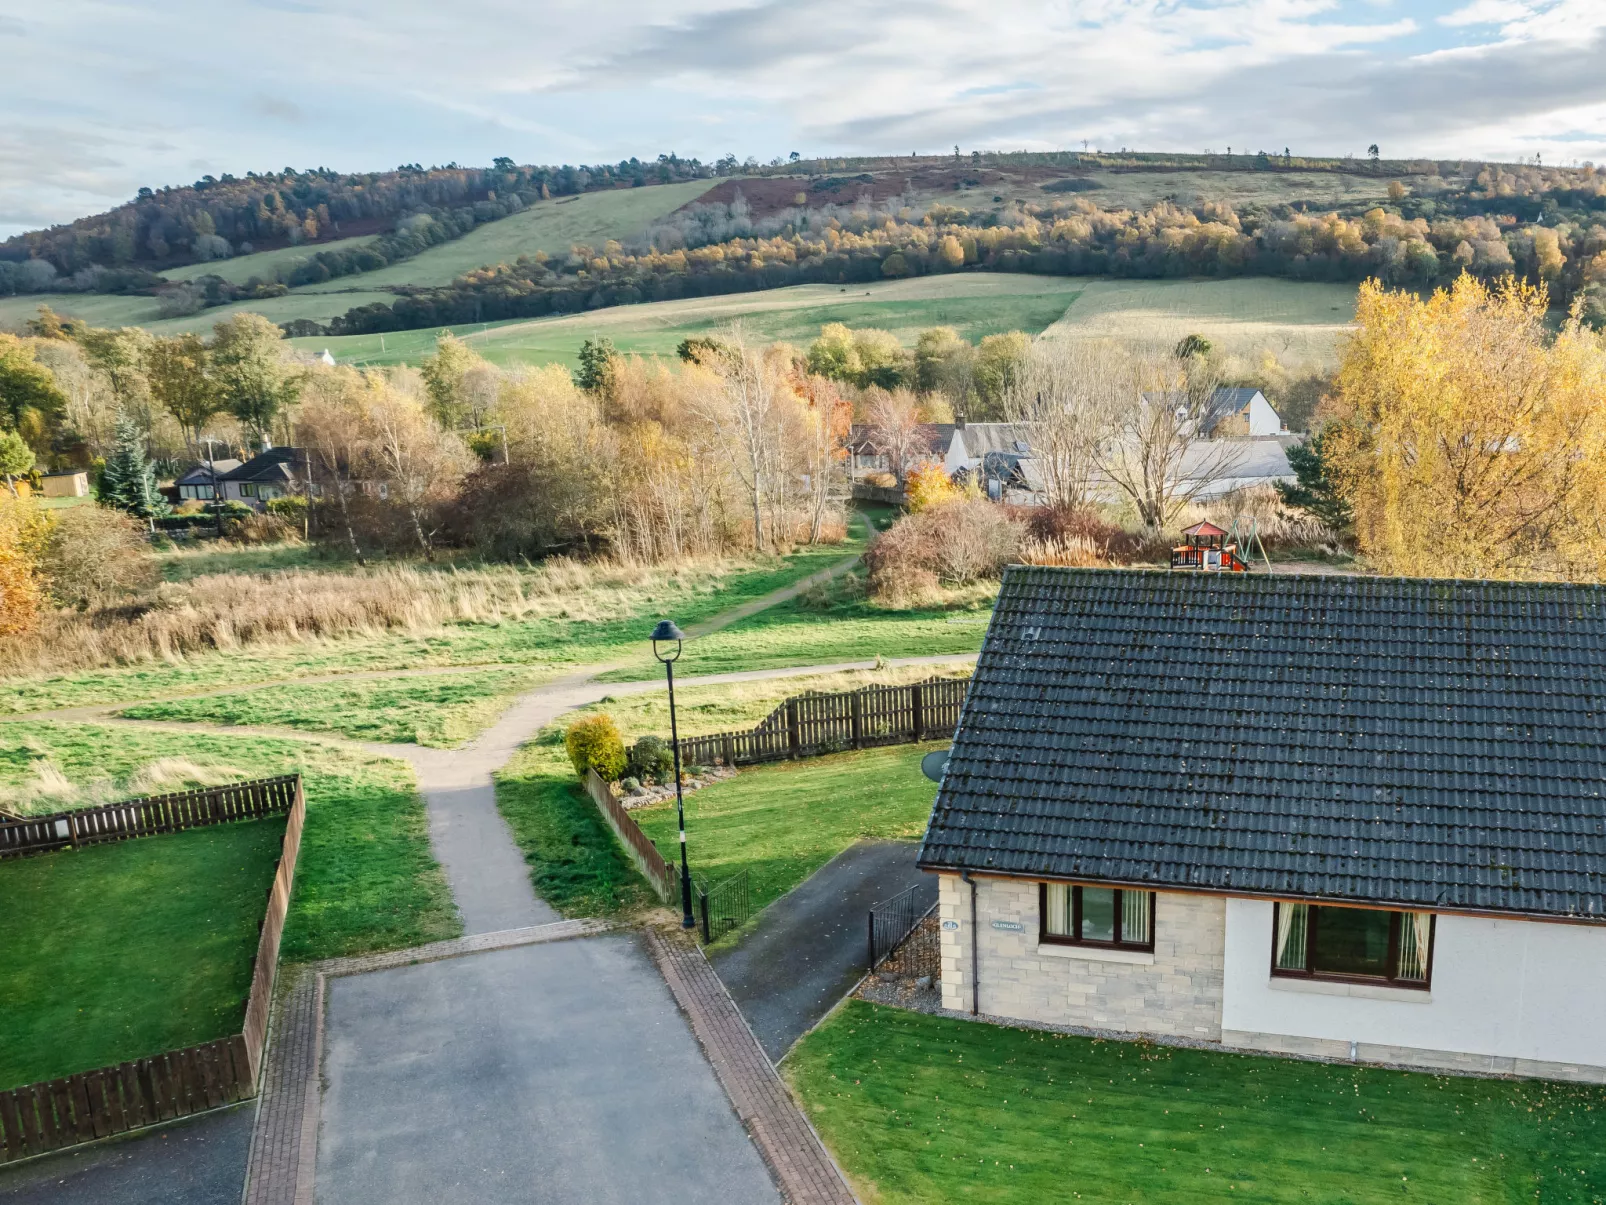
(665, 632)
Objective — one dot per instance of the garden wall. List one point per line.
(78, 1108)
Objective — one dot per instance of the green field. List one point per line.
(438, 712)
(366, 879)
(264, 265)
(780, 823)
(121, 951)
(1299, 322)
(925, 1109)
(104, 310)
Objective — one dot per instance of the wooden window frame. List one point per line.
(1390, 979)
(1064, 939)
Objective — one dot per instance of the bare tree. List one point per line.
(1066, 396)
(746, 415)
(418, 462)
(1156, 446)
(333, 427)
(893, 430)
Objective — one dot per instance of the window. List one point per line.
(1096, 916)
(1355, 944)
(195, 491)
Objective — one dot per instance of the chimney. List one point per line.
(959, 422)
(267, 444)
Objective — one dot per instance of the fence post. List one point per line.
(870, 966)
(917, 696)
(702, 906)
(794, 739)
(728, 748)
(858, 719)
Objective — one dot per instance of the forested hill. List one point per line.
(216, 218)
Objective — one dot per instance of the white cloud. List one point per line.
(114, 94)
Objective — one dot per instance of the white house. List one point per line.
(1243, 414)
(1355, 818)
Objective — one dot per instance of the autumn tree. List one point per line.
(892, 428)
(944, 361)
(747, 415)
(16, 458)
(332, 425)
(450, 376)
(1000, 360)
(1473, 443)
(30, 399)
(1067, 396)
(23, 531)
(179, 371)
(254, 382)
(419, 464)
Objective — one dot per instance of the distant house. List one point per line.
(1354, 818)
(275, 473)
(68, 483)
(1243, 414)
(865, 456)
(198, 484)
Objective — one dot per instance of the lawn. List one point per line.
(366, 880)
(924, 1109)
(782, 822)
(603, 623)
(830, 626)
(440, 712)
(574, 862)
(120, 951)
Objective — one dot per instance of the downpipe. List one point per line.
(975, 949)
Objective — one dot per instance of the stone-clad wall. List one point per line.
(1176, 990)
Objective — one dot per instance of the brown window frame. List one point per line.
(1390, 979)
(1064, 939)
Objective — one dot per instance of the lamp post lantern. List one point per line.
(665, 633)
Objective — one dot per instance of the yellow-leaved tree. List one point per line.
(1472, 439)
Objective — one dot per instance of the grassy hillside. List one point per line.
(1299, 321)
(550, 226)
(265, 265)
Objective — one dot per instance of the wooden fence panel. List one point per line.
(636, 843)
(254, 1035)
(112, 1100)
(148, 816)
(808, 725)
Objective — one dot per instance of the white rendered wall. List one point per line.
(1263, 420)
(1512, 989)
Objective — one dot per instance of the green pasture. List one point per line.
(264, 265)
(439, 712)
(117, 952)
(366, 879)
(100, 309)
(919, 1108)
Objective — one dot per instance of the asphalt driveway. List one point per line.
(808, 948)
(560, 1072)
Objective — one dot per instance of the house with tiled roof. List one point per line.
(1345, 817)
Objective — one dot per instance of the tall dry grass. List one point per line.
(223, 611)
(48, 789)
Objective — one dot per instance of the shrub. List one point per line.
(650, 757)
(952, 544)
(1066, 536)
(261, 529)
(95, 555)
(594, 744)
(291, 507)
(629, 784)
(928, 486)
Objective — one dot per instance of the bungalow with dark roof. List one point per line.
(1345, 817)
(270, 474)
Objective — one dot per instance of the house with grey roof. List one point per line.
(1333, 816)
(1238, 413)
(272, 473)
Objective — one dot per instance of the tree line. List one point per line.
(1418, 242)
(215, 218)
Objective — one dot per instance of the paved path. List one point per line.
(547, 1073)
(197, 1161)
(809, 947)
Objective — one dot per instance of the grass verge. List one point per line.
(782, 822)
(439, 712)
(921, 1108)
(824, 628)
(122, 951)
(366, 879)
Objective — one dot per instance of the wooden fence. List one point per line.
(148, 816)
(663, 878)
(47, 1116)
(812, 724)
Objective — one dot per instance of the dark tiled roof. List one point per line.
(1428, 743)
(276, 464)
(202, 473)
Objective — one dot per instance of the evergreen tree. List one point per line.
(1314, 488)
(128, 482)
(595, 374)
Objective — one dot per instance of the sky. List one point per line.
(101, 97)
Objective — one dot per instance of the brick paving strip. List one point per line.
(284, 1141)
(798, 1160)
